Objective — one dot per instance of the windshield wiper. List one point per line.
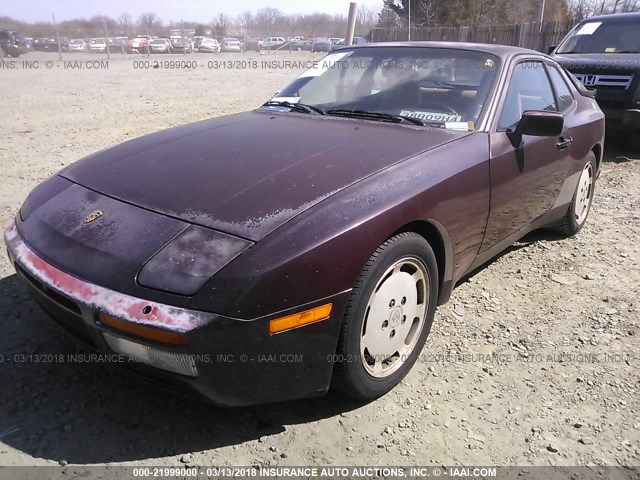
(344, 112)
(298, 107)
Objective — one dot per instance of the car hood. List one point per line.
(600, 62)
(247, 174)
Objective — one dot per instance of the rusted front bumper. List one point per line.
(238, 362)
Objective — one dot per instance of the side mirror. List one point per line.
(551, 49)
(537, 123)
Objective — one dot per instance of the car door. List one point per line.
(525, 180)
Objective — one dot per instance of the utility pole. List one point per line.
(146, 27)
(106, 32)
(351, 23)
(541, 26)
(53, 17)
(410, 20)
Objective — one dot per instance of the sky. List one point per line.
(176, 10)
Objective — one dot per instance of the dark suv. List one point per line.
(12, 43)
(604, 53)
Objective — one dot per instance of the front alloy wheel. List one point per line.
(388, 317)
(394, 317)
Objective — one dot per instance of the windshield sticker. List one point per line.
(324, 64)
(459, 126)
(286, 99)
(588, 28)
(610, 50)
(431, 116)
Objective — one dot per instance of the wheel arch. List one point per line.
(438, 238)
(597, 151)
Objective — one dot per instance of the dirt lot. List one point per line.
(533, 362)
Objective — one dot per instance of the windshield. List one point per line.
(428, 84)
(620, 36)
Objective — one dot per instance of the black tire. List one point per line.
(350, 375)
(15, 55)
(571, 223)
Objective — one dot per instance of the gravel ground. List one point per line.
(533, 362)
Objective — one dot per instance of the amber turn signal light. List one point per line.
(148, 333)
(282, 324)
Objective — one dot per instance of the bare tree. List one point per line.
(124, 21)
(581, 9)
(424, 13)
(367, 18)
(266, 19)
(625, 6)
(245, 20)
(149, 22)
(222, 24)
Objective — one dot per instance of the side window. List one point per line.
(563, 93)
(529, 89)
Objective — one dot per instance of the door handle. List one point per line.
(564, 143)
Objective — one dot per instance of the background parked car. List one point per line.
(138, 45)
(57, 44)
(321, 45)
(197, 40)
(252, 45)
(40, 44)
(181, 45)
(160, 45)
(356, 41)
(12, 43)
(78, 45)
(29, 42)
(98, 45)
(604, 54)
(301, 45)
(231, 45)
(209, 45)
(116, 45)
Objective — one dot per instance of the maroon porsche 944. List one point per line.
(304, 245)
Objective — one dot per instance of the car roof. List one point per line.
(502, 51)
(614, 17)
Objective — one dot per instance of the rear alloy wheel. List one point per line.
(580, 206)
(388, 317)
